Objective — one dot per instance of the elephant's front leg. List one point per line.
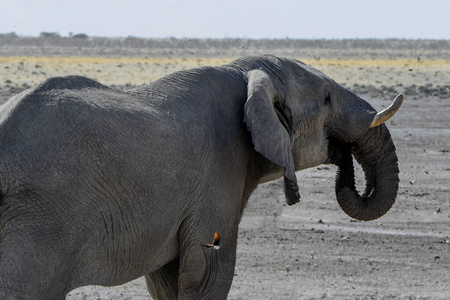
(199, 272)
(207, 272)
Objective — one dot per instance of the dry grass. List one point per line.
(114, 60)
(19, 71)
(28, 71)
(386, 72)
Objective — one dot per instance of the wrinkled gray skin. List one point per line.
(100, 186)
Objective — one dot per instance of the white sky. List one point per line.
(415, 19)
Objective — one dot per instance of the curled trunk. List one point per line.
(375, 152)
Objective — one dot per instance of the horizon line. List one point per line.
(55, 34)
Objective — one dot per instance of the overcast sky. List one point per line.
(412, 19)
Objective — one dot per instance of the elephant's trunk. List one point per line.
(375, 152)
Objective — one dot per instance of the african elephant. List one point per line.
(100, 186)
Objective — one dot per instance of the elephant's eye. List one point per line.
(327, 101)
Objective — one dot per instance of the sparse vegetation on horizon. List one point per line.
(52, 44)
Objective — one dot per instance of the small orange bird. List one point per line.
(215, 244)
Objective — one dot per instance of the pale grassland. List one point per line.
(109, 71)
(381, 72)
(28, 71)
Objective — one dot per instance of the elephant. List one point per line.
(100, 186)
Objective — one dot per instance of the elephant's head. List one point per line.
(299, 118)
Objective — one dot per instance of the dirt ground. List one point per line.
(314, 251)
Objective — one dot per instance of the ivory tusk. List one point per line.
(388, 112)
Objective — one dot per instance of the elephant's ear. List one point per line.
(269, 136)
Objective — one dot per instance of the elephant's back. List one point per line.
(68, 122)
(68, 132)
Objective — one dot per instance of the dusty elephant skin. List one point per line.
(101, 187)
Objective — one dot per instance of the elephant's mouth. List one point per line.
(336, 151)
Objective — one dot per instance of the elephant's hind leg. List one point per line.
(163, 283)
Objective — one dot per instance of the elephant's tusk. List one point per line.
(388, 112)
